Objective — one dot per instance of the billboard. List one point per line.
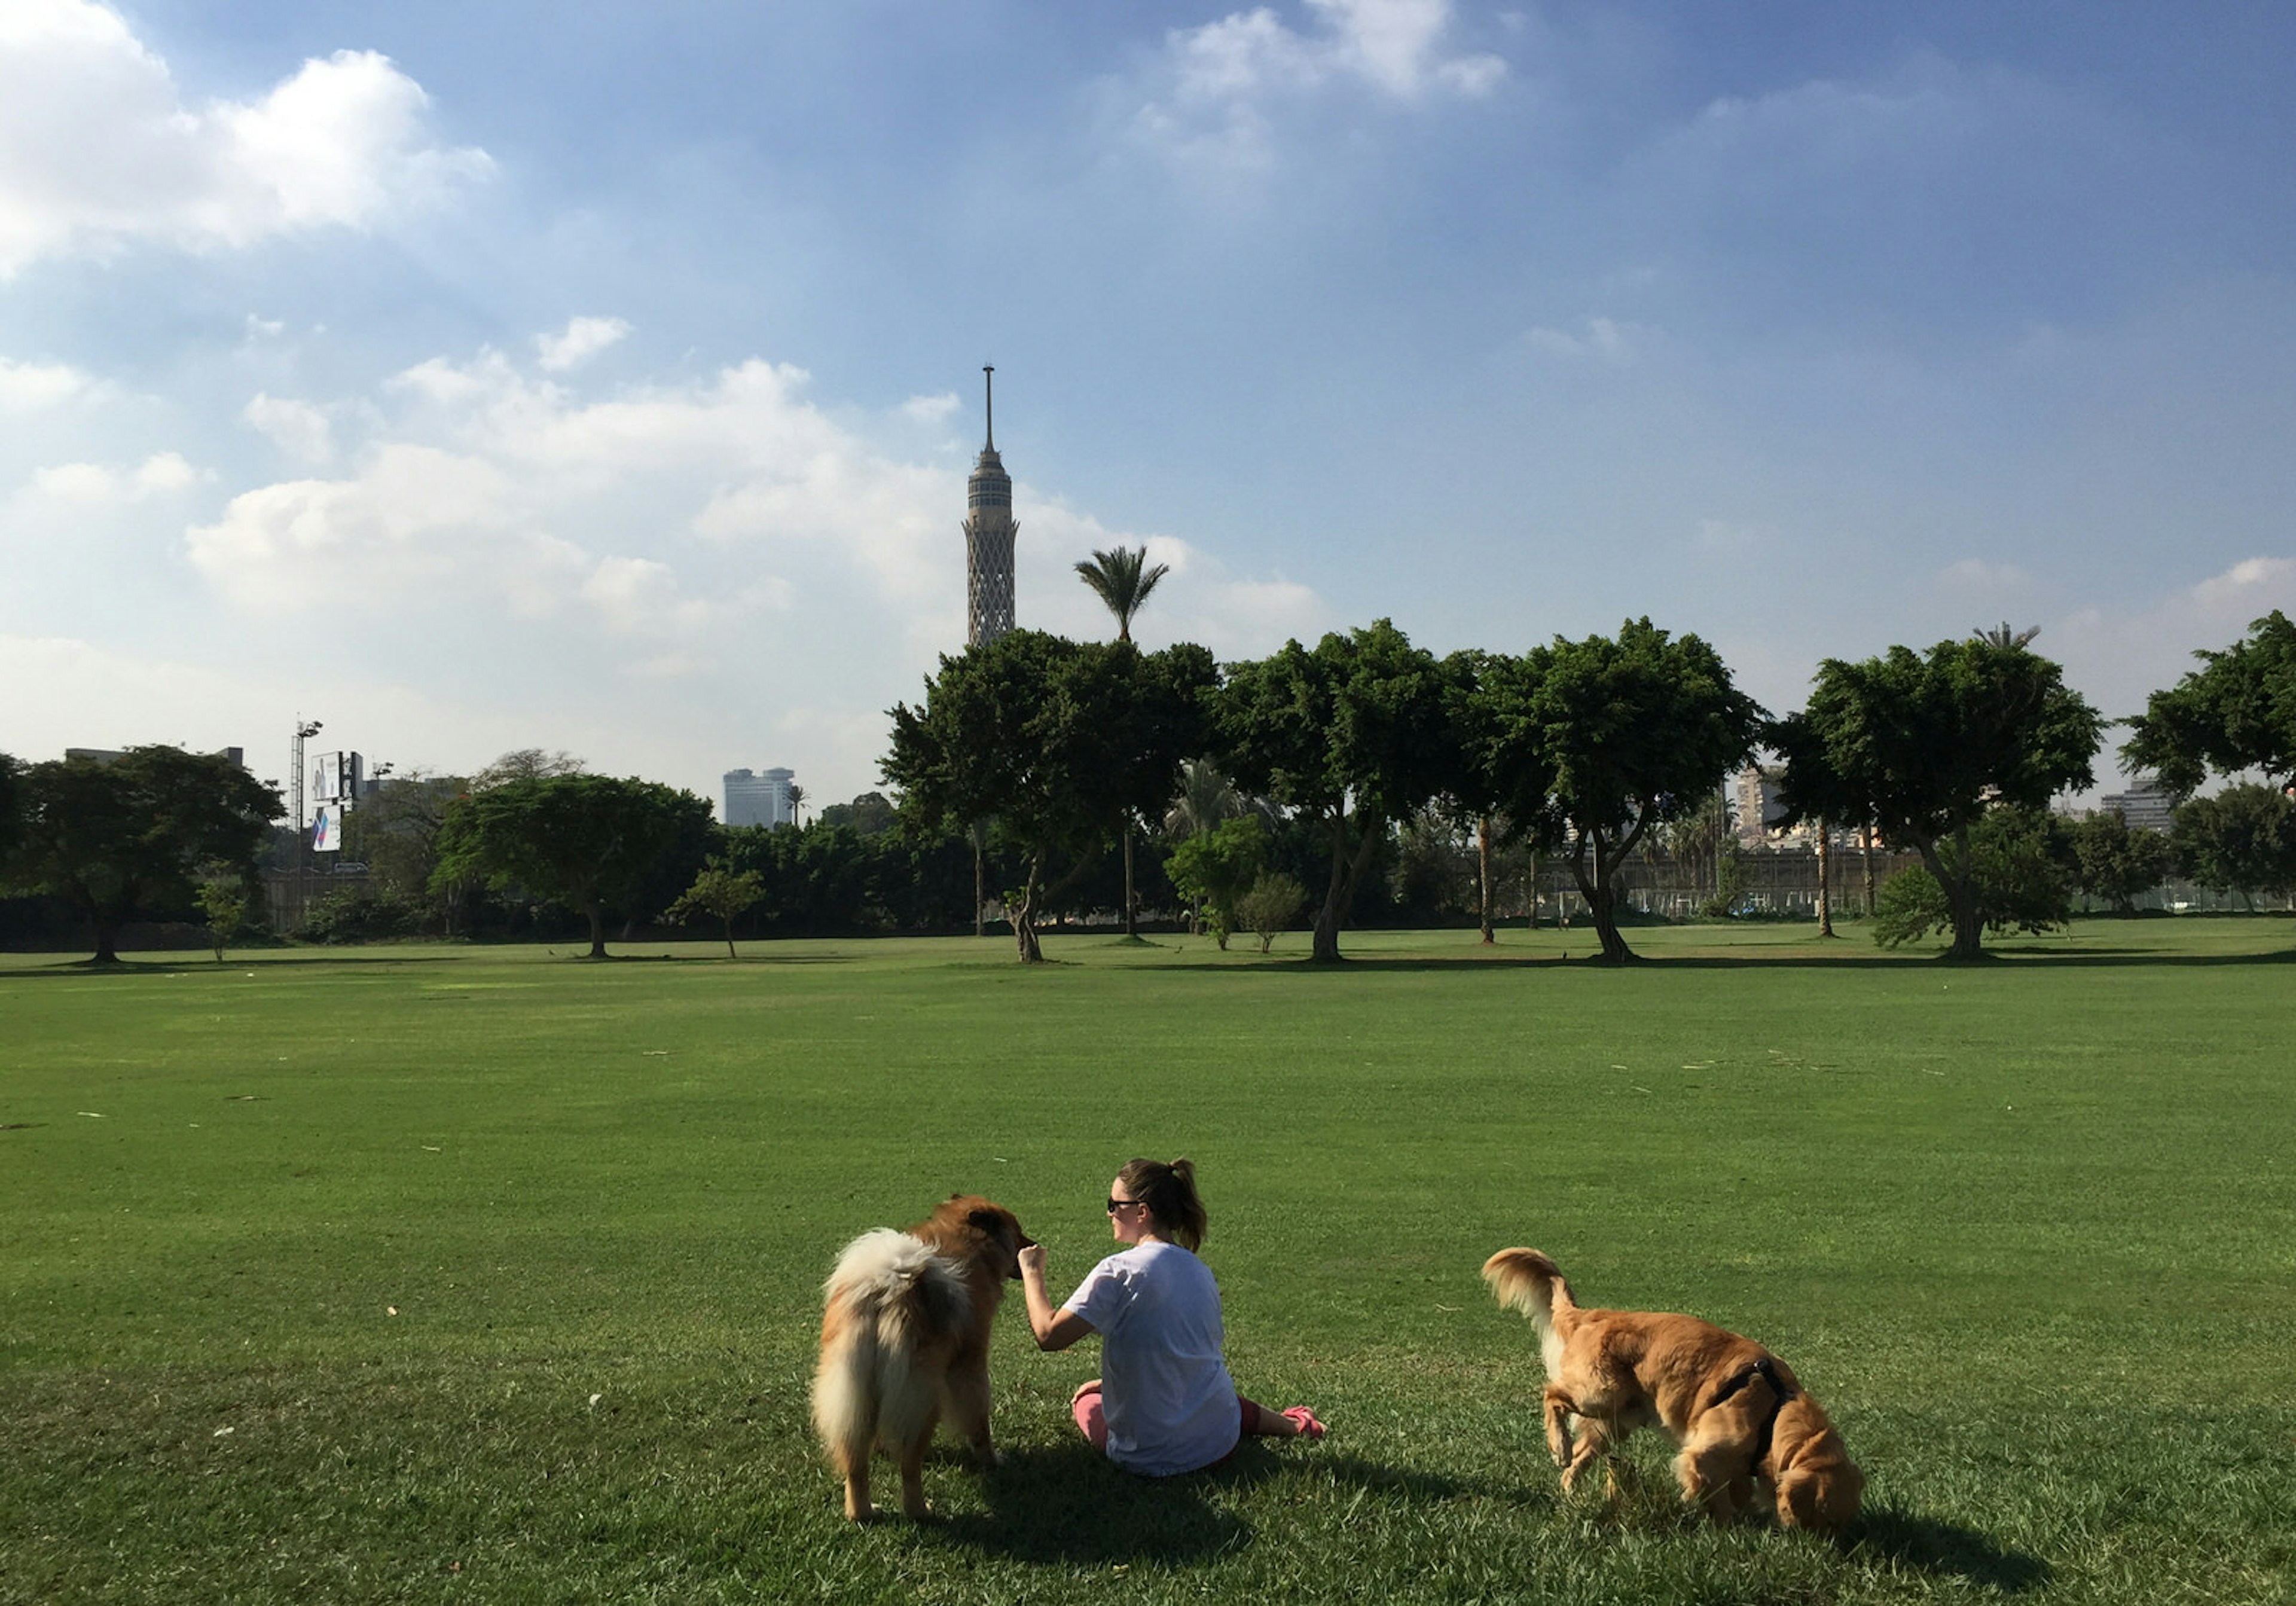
(335, 777)
(327, 828)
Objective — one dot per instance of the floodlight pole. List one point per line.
(304, 730)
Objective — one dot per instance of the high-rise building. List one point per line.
(1760, 803)
(2145, 803)
(989, 532)
(759, 799)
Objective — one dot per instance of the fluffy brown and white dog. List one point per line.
(1740, 1419)
(905, 1337)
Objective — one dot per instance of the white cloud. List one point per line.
(95, 484)
(2248, 589)
(26, 387)
(296, 428)
(98, 149)
(1216, 81)
(728, 532)
(581, 340)
(2119, 657)
(1393, 45)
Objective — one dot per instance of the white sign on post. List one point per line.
(327, 829)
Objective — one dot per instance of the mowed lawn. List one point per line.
(491, 1274)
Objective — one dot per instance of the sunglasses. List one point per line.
(1115, 1205)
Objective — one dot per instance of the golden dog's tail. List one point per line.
(1529, 1282)
(889, 1294)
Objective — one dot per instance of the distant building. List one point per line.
(2143, 804)
(1759, 795)
(759, 799)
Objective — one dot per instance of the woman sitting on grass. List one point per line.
(1164, 1403)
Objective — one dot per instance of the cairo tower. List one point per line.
(989, 532)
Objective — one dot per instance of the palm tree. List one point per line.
(1122, 578)
(796, 804)
(1205, 799)
(2006, 635)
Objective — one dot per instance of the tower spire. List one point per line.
(989, 532)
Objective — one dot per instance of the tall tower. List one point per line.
(989, 532)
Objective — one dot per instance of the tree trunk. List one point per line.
(979, 896)
(1960, 897)
(1347, 869)
(1483, 857)
(1023, 914)
(1131, 904)
(597, 929)
(1600, 894)
(1824, 878)
(107, 939)
(1866, 851)
(729, 938)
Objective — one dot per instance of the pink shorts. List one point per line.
(1092, 1421)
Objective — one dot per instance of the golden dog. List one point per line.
(904, 1336)
(1740, 1419)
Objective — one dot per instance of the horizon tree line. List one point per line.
(1584, 752)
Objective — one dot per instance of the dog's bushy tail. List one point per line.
(1529, 1282)
(888, 1294)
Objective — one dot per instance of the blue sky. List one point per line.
(605, 377)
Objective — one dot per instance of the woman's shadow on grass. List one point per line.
(1929, 1545)
(1069, 1504)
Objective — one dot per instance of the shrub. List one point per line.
(1272, 906)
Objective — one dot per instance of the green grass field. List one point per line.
(487, 1274)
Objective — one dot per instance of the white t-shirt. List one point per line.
(1164, 1386)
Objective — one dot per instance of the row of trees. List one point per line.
(1582, 749)
(154, 830)
(1030, 758)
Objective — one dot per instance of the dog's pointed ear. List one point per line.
(994, 1223)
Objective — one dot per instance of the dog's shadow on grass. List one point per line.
(1932, 1545)
(1069, 1504)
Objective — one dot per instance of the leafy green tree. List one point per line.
(2016, 867)
(127, 837)
(723, 893)
(223, 900)
(1595, 743)
(1920, 745)
(394, 832)
(869, 814)
(1352, 736)
(1213, 869)
(1471, 792)
(1054, 740)
(1910, 905)
(2113, 861)
(586, 840)
(2236, 713)
(11, 807)
(2243, 839)
(1731, 884)
(1272, 906)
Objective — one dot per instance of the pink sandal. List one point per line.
(1303, 1419)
